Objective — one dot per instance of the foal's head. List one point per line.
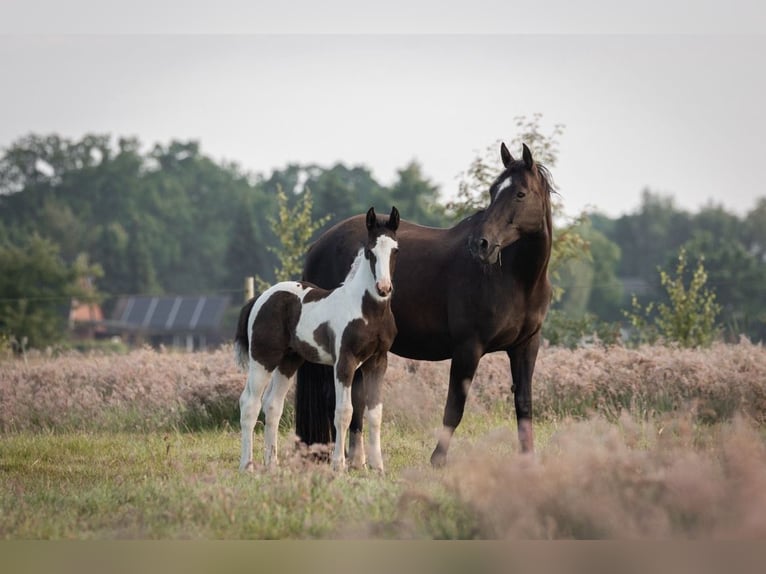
(381, 249)
(519, 205)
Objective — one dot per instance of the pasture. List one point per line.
(647, 443)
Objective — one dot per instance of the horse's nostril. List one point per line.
(483, 244)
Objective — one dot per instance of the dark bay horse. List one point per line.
(347, 328)
(479, 287)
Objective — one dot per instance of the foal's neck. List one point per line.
(360, 277)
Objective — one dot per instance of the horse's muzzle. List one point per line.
(485, 251)
(384, 288)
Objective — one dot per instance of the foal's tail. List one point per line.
(241, 347)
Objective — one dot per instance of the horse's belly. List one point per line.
(421, 348)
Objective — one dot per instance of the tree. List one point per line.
(476, 180)
(294, 228)
(739, 280)
(414, 195)
(755, 230)
(245, 253)
(341, 192)
(651, 236)
(36, 288)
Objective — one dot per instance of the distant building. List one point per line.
(86, 320)
(190, 322)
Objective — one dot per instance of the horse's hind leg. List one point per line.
(344, 373)
(374, 369)
(250, 407)
(273, 405)
(522, 368)
(356, 454)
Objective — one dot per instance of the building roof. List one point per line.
(169, 314)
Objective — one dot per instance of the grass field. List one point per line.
(147, 446)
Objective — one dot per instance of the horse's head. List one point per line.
(519, 205)
(381, 249)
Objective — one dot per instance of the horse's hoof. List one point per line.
(438, 458)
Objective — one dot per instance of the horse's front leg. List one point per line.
(344, 374)
(523, 360)
(374, 370)
(465, 359)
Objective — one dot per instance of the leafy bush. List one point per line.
(690, 317)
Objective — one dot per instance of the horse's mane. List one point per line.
(547, 179)
(355, 265)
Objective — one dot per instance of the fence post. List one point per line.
(249, 288)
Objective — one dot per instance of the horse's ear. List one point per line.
(371, 218)
(528, 159)
(505, 155)
(393, 219)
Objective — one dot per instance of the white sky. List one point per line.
(681, 112)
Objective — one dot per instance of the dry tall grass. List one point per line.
(644, 463)
(634, 480)
(152, 390)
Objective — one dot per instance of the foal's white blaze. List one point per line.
(382, 250)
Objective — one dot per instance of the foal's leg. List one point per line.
(344, 373)
(522, 368)
(249, 407)
(356, 454)
(273, 405)
(465, 359)
(374, 369)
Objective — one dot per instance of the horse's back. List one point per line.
(427, 258)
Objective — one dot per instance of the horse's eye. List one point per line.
(520, 194)
(395, 250)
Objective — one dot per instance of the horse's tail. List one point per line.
(241, 347)
(314, 402)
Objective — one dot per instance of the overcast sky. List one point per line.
(682, 114)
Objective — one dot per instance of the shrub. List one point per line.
(690, 317)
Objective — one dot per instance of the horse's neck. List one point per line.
(359, 278)
(531, 258)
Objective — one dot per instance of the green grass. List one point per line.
(590, 478)
(85, 485)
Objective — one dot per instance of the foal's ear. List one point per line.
(393, 219)
(505, 155)
(528, 159)
(372, 219)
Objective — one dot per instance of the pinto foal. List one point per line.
(347, 327)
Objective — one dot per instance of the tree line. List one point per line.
(170, 219)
